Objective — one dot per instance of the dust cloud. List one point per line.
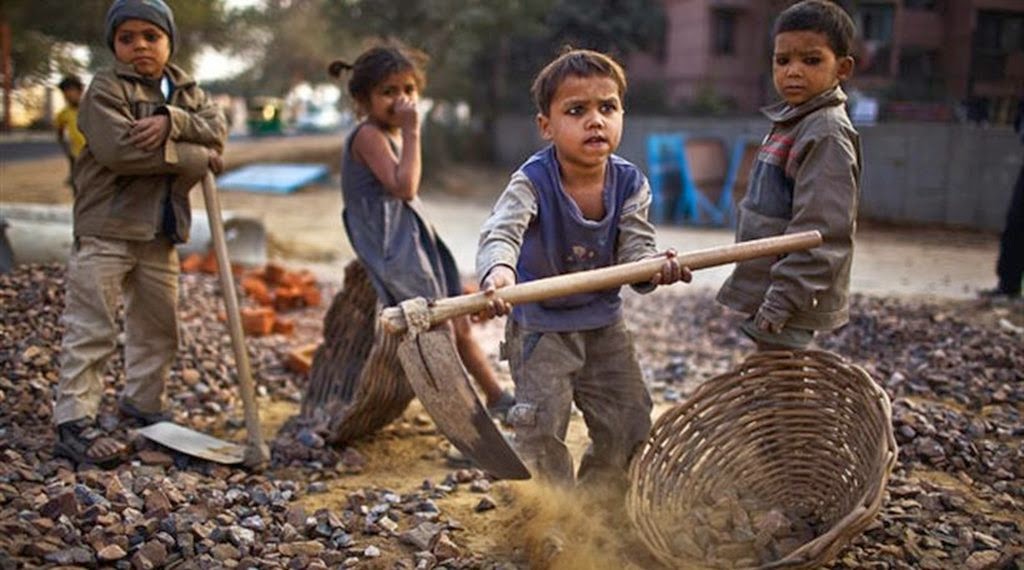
(563, 529)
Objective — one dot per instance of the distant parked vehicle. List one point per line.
(264, 116)
(322, 118)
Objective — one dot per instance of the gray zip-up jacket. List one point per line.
(124, 192)
(806, 177)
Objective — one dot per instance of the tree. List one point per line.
(288, 42)
(44, 30)
(482, 51)
(512, 57)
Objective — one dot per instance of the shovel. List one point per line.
(189, 441)
(441, 382)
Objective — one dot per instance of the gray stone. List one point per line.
(110, 553)
(422, 536)
(75, 555)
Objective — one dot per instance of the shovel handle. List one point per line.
(393, 319)
(257, 452)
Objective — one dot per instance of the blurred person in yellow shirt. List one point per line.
(68, 135)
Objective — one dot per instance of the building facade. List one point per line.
(921, 58)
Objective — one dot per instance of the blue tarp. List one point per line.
(278, 178)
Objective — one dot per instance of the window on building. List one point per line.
(997, 35)
(920, 76)
(875, 22)
(918, 63)
(1013, 33)
(723, 29)
(920, 4)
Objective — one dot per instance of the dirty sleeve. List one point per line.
(501, 236)
(636, 233)
(824, 199)
(205, 126)
(105, 118)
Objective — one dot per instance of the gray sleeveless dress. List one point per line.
(401, 251)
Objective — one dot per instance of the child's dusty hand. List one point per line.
(672, 271)
(150, 133)
(216, 162)
(405, 113)
(500, 276)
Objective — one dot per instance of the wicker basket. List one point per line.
(356, 384)
(805, 431)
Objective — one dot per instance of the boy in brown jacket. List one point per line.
(806, 177)
(151, 134)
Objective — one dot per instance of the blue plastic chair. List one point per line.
(665, 154)
(738, 168)
(696, 208)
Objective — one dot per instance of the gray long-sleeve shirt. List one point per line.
(502, 234)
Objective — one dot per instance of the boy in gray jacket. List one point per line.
(806, 177)
(151, 134)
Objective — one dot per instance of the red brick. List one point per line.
(287, 298)
(275, 273)
(284, 326)
(258, 321)
(191, 263)
(311, 296)
(300, 359)
(209, 264)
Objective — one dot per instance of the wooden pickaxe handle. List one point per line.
(393, 319)
(257, 452)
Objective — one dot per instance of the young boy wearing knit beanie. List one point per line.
(151, 134)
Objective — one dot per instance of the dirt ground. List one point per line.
(305, 227)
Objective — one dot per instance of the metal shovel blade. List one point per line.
(442, 384)
(191, 442)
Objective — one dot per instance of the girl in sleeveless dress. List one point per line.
(383, 216)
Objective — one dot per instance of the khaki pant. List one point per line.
(597, 370)
(99, 272)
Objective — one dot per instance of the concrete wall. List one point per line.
(956, 175)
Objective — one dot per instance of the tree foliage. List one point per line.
(484, 52)
(43, 32)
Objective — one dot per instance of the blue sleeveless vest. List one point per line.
(560, 240)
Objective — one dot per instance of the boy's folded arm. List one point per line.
(824, 199)
(501, 236)
(189, 160)
(206, 126)
(636, 233)
(105, 118)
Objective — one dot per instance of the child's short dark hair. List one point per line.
(70, 82)
(377, 64)
(574, 63)
(822, 16)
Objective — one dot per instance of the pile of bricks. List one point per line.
(271, 291)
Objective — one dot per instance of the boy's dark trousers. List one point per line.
(1010, 267)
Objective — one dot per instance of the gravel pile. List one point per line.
(955, 374)
(954, 502)
(166, 510)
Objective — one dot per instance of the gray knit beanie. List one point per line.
(155, 12)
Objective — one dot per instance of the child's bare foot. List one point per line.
(82, 441)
